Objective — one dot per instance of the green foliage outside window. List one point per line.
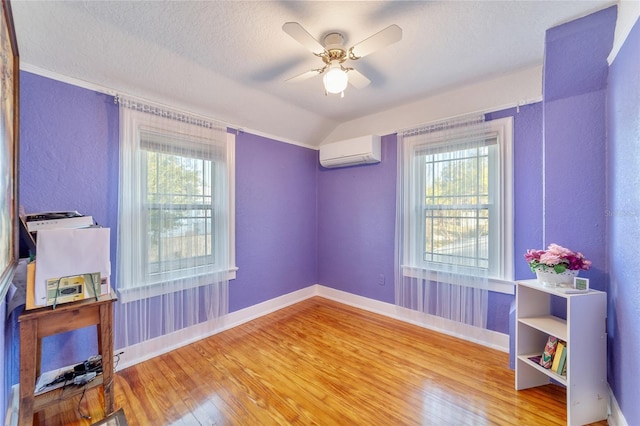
(457, 206)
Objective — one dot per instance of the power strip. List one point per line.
(84, 379)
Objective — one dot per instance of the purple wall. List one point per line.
(575, 71)
(67, 155)
(69, 161)
(623, 226)
(576, 55)
(527, 182)
(356, 222)
(356, 217)
(527, 201)
(276, 246)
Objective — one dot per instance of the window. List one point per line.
(457, 189)
(178, 208)
(176, 204)
(456, 206)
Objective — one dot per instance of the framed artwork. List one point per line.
(581, 284)
(9, 116)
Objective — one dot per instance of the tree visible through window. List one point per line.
(457, 207)
(176, 210)
(179, 211)
(456, 200)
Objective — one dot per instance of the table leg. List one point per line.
(28, 361)
(105, 343)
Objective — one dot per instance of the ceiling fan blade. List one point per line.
(301, 35)
(357, 79)
(304, 76)
(384, 38)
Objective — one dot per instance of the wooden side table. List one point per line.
(38, 323)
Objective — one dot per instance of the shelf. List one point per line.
(584, 331)
(556, 291)
(45, 399)
(555, 376)
(548, 324)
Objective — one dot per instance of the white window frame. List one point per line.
(500, 276)
(142, 122)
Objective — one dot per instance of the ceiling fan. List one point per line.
(334, 54)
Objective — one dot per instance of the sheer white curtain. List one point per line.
(443, 219)
(175, 224)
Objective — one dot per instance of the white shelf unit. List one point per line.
(584, 330)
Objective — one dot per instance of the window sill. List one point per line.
(494, 284)
(126, 295)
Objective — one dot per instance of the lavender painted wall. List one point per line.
(527, 201)
(623, 226)
(69, 161)
(356, 217)
(575, 71)
(576, 55)
(527, 181)
(356, 226)
(276, 246)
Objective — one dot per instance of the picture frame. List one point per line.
(9, 146)
(581, 284)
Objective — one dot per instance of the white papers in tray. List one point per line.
(63, 252)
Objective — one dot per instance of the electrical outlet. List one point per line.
(381, 279)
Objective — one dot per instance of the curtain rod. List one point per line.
(165, 111)
(444, 124)
(515, 105)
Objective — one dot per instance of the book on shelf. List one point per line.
(549, 351)
(562, 367)
(557, 357)
(535, 359)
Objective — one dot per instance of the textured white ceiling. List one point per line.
(230, 59)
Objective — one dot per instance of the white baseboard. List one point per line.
(616, 418)
(13, 407)
(134, 354)
(137, 353)
(485, 337)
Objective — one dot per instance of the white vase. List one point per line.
(550, 278)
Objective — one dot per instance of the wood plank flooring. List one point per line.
(322, 363)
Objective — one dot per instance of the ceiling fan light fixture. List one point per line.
(335, 79)
(333, 53)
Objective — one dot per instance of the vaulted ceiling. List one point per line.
(230, 59)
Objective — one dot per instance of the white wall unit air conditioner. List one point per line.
(361, 150)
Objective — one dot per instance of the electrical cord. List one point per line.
(80, 413)
(80, 375)
(116, 360)
(88, 371)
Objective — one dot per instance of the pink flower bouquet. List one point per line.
(558, 258)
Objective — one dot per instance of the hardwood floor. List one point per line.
(323, 363)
